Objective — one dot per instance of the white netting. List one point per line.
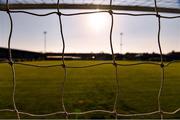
(59, 14)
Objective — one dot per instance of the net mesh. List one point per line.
(114, 63)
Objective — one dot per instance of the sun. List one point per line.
(98, 21)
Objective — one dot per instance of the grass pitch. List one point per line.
(38, 90)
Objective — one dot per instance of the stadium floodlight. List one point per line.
(121, 44)
(45, 32)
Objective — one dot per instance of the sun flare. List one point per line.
(98, 20)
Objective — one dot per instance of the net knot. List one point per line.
(59, 13)
(162, 65)
(161, 112)
(63, 65)
(110, 12)
(66, 113)
(11, 62)
(115, 113)
(115, 64)
(7, 9)
(157, 15)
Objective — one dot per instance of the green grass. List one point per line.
(38, 90)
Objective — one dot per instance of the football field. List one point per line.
(39, 89)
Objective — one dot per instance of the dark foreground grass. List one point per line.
(38, 90)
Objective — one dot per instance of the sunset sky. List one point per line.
(90, 33)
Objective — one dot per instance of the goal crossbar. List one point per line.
(89, 6)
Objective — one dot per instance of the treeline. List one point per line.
(149, 56)
(22, 55)
(105, 56)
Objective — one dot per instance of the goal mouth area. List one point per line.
(165, 6)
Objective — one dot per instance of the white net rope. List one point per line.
(114, 63)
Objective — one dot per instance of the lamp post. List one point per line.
(45, 32)
(121, 35)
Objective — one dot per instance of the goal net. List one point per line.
(112, 8)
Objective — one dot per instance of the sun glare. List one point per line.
(98, 21)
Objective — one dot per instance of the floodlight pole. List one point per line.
(45, 32)
(121, 35)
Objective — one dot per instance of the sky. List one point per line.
(90, 33)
